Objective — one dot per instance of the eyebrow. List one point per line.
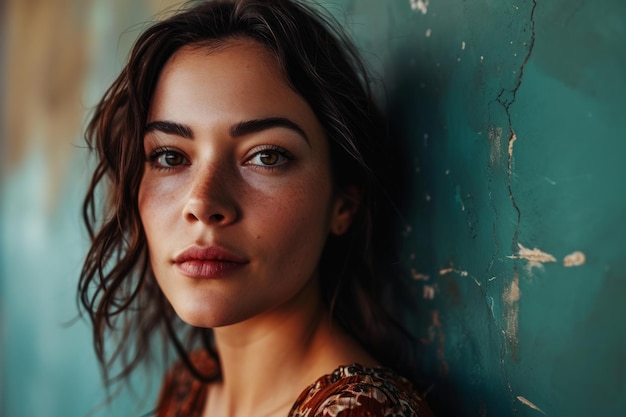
(170, 128)
(240, 129)
(258, 125)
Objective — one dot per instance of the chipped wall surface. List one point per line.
(513, 115)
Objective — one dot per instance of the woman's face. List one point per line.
(237, 198)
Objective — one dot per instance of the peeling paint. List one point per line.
(462, 45)
(535, 257)
(429, 292)
(529, 404)
(428, 32)
(458, 198)
(512, 140)
(512, 294)
(447, 271)
(420, 5)
(494, 134)
(574, 259)
(506, 98)
(418, 276)
(511, 297)
(436, 334)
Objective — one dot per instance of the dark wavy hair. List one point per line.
(117, 287)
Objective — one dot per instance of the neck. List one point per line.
(267, 361)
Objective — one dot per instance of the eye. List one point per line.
(270, 157)
(165, 158)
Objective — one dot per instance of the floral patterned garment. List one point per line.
(350, 391)
(356, 391)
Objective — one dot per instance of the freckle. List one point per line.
(258, 236)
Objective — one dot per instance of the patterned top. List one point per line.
(350, 391)
(356, 391)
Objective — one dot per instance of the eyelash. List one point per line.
(153, 157)
(157, 153)
(281, 152)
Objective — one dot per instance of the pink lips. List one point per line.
(208, 263)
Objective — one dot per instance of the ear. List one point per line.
(346, 204)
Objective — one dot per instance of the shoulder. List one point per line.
(356, 391)
(182, 393)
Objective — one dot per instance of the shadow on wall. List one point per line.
(416, 118)
(418, 121)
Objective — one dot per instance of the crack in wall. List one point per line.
(506, 97)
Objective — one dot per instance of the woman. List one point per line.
(242, 152)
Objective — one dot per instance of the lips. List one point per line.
(208, 263)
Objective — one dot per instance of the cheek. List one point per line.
(294, 221)
(157, 207)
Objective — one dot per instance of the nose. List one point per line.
(211, 198)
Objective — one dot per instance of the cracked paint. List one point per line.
(491, 149)
(512, 139)
(506, 98)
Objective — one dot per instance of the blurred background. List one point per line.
(511, 114)
(58, 57)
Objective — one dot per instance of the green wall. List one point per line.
(513, 115)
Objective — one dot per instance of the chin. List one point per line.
(207, 317)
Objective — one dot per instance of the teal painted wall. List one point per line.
(513, 114)
(505, 331)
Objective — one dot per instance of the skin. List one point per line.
(264, 195)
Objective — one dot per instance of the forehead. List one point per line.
(225, 78)
(229, 63)
(246, 52)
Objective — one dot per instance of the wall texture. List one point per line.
(512, 116)
(513, 113)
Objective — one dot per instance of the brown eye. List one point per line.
(166, 158)
(171, 159)
(269, 158)
(272, 157)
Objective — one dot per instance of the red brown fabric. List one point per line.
(350, 391)
(356, 391)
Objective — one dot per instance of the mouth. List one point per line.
(208, 263)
